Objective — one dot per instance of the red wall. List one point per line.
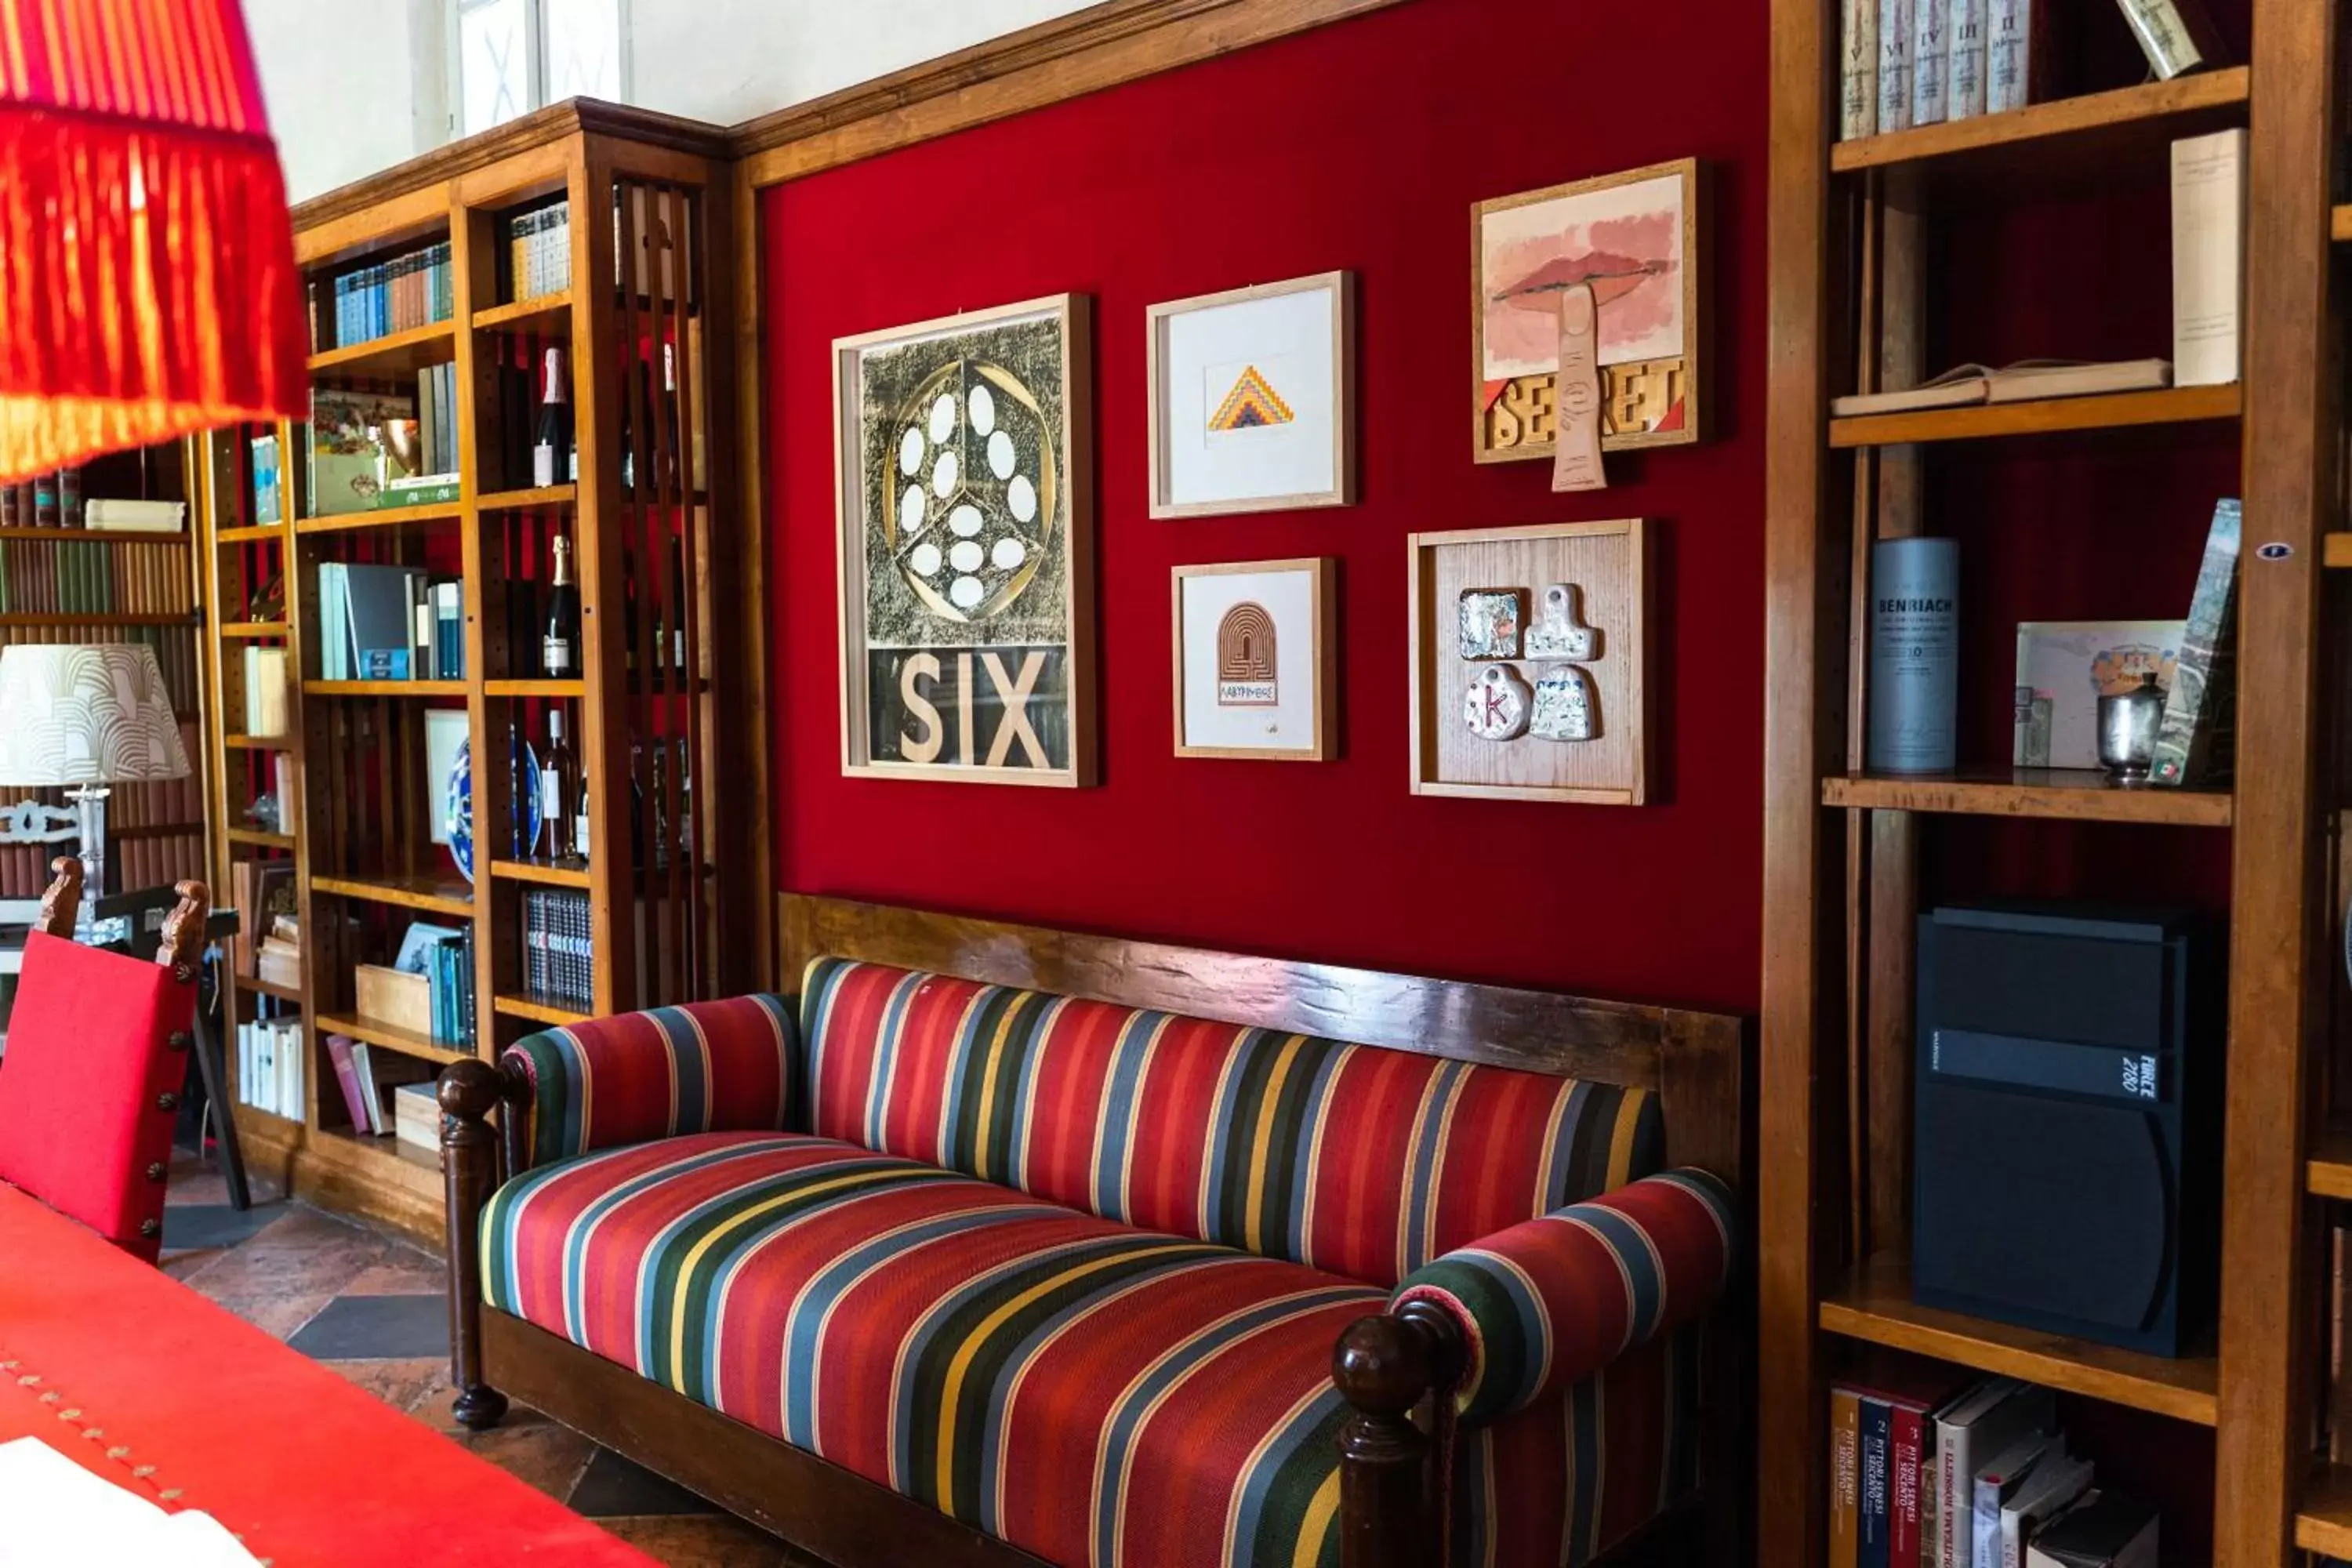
(1363, 146)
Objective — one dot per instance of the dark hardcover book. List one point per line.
(2110, 1530)
(1876, 1537)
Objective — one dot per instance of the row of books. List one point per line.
(539, 250)
(389, 623)
(559, 955)
(93, 577)
(24, 868)
(414, 289)
(1928, 1472)
(449, 970)
(270, 1065)
(368, 1075)
(1907, 63)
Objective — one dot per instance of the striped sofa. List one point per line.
(1072, 1273)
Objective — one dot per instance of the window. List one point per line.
(514, 56)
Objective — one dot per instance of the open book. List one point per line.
(1965, 386)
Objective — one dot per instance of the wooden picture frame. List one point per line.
(990, 686)
(1608, 561)
(1321, 646)
(1160, 321)
(1511, 416)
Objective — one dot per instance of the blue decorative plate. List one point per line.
(459, 796)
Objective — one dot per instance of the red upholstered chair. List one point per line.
(96, 1052)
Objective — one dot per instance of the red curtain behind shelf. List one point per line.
(1361, 146)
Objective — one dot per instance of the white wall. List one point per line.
(356, 86)
(726, 60)
(353, 85)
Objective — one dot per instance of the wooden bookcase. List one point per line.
(651, 712)
(1853, 231)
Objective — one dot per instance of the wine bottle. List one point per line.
(552, 449)
(559, 643)
(678, 592)
(580, 824)
(557, 789)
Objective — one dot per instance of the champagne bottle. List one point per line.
(552, 449)
(559, 643)
(557, 789)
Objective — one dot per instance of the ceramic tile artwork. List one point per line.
(1566, 706)
(1496, 705)
(1490, 623)
(370, 1307)
(1559, 631)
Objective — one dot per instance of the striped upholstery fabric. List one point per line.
(1093, 1392)
(1341, 1157)
(706, 1067)
(1547, 1302)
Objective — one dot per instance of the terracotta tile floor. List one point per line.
(367, 1303)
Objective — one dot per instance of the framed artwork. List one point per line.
(1634, 239)
(1255, 653)
(965, 505)
(445, 736)
(1527, 648)
(1253, 398)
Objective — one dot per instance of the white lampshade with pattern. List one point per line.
(86, 714)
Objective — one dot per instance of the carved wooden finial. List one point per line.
(61, 904)
(183, 932)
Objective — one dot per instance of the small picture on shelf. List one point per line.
(2063, 668)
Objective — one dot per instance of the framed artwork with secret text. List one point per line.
(1633, 238)
(965, 507)
(1255, 654)
(1252, 398)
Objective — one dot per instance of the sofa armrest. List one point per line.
(1547, 1302)
(706, 1066)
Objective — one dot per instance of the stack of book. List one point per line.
(278, 958)
(389, 623)
(270, 1065)
(558, 953)
(539, 250)
(366, 1075)
(1907, 63)
(411, 291)
(1931, 1472)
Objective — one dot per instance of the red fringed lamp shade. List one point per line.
(147, 279)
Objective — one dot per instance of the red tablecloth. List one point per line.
(158, 1389)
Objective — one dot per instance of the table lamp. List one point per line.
(87, 716)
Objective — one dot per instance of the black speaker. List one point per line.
(2067, 1117)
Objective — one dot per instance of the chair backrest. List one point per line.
(96, 1052)
(1355, 1159)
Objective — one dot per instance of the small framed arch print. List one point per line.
(1254, 659)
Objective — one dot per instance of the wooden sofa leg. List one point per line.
(1385, 1366)
(468, 1092)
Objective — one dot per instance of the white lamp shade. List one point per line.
(98, 714)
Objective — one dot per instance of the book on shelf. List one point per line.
(1964, 72)
(135, 516)
(2196, 743)
(2025, 380)
(1931, 60)
(266, 708)
(1895, 39)
(2000, 1480)
(2017, 53)
(269, 502)
(2107, 1529)
(1858, 69)
(1969, 1431)
(2209, 222)
(2054, 1486)
(339, 1051)
(1845, 1478)
(538, 251)
(1883, 1447)
(2177, 35)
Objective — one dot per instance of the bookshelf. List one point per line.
(1863, 294)
(648, 709)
